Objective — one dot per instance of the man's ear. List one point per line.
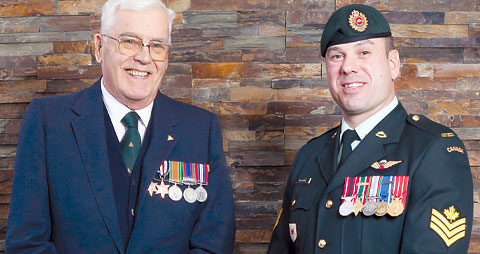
(98, 47)
(394, 61)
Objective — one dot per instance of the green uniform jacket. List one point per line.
(439, 177)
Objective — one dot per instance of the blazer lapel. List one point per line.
(89, 131)
(326, 159)
(163, 139)
(371, 149)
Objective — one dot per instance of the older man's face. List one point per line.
(360, 76)
(133, 80)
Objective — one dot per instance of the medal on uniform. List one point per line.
(346, 208)
(162, 171)
(189, 179)
(399, 193)
(385, 187)
(371, 205)
(359, 203)
(175, 176)
(202, 179)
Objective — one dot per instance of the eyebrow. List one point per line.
(357, 43)
(137, 36)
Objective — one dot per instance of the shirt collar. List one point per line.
(116, 110)
(366, 126)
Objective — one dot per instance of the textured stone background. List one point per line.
(255, 63)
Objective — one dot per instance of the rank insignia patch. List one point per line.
(381, 134)
(447, 135)
(383, 164)
(448, 228)
(358, 21)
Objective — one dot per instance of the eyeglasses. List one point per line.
(130, 46)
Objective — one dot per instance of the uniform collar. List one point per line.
(366, 126)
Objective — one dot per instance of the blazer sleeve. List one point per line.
(29, 226)
(215, 227)
(440, 206)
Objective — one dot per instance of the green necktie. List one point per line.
(131, 142)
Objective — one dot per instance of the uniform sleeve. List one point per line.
(214, 230)
(29, 226)
(440, 208)
(281, 241)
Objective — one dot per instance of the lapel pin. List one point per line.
(383, 164)
(334, 135)
(381, 134)
(170, 138)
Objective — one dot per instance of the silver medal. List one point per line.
(347, 207)
(175, 193)
(370, 208)
(201, 194)
(189, 195)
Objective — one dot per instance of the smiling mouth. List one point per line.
(138, 74)
(353, 85)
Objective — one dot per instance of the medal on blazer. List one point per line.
(175, 177)
(346, 208)
(202, 179)
(162, 171)
(189, 179)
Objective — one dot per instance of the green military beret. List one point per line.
(354, 22)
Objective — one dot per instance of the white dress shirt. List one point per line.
(117, 111)
(366, 126)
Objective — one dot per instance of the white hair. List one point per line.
(112, 6)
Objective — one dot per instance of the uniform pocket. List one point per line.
(302, 214)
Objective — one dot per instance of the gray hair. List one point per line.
(112, 6)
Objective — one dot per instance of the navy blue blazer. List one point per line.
(62, 198)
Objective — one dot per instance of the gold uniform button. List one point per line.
(322, 243)
(329, 203)
(293, 202)
(415, 118)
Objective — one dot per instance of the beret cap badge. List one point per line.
(358, 21)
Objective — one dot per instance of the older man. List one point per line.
(383, 181)
(120, 167)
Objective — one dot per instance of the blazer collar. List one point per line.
(89, 131)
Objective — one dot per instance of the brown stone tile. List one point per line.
(264, 122)
(27, 8)
(457, 70)
(304, 94)
(261, 17)
(68, 86)
(462, 17)
(13, 110)
(429, 31)
(256, 153)
(48, 61)
(328, 121)
(402, 17)
(15, 97)
(19, 86)
(76, 7)
(403, 83)
(211, 94)
(264, 55)
(308, 17)
(302, 108)
(431, 55)
(81, 72)
(255, 70)
(214, 82)
(237, 5)
(200, 55)
(71, 47)
(252, 94)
